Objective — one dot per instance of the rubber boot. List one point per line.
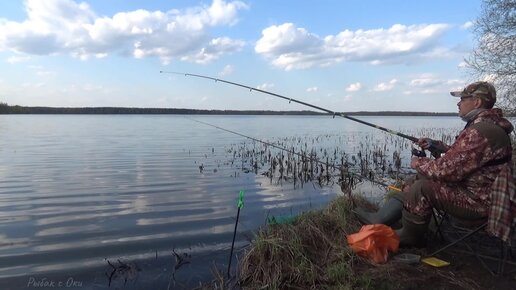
(413, 232)
(388, 214)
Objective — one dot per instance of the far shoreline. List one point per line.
(7, 109)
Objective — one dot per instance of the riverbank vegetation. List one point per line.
(312, 253)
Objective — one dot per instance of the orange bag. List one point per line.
(374, 242)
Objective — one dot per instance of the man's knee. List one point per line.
(425, 193)
(421, 188)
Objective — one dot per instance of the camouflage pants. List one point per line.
(423, 194)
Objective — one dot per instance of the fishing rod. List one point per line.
(411, 138)
(295, 153)
(435, 151)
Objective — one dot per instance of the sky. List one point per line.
(342, 55)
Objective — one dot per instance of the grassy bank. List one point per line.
(310, 253)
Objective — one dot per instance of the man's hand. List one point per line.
(435, 147)
(424, 143)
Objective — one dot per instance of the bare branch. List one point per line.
(494, 59)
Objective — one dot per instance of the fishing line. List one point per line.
(340, 168)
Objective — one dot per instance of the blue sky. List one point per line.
(361, 55)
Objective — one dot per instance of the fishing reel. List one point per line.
(434, 149)
(418, 153)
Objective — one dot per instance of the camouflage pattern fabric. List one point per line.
(464, 178)
(425, 194)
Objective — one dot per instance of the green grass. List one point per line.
(309, 253)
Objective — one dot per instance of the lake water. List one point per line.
(79, 191)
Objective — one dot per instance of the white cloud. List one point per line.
(265, 86)
(455, 82)
(427, 80)
(312, 89)
(354, 87)
(382, 87)
(286, 38)
(290, 47)
(431, 84)
(463, 65)
(68, 27)
(467, 25)
(426, 84)
(227, 70)
(213, 50)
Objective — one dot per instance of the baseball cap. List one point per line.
(482, 90)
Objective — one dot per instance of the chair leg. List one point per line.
(502, 260)
(438, 223)
(459, 240)
(477, 256)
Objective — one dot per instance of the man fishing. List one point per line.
(471, 180)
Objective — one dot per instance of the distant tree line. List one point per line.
(6, 109)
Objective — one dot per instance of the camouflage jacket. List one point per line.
(480, 155)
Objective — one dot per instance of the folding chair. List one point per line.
(463, 233)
